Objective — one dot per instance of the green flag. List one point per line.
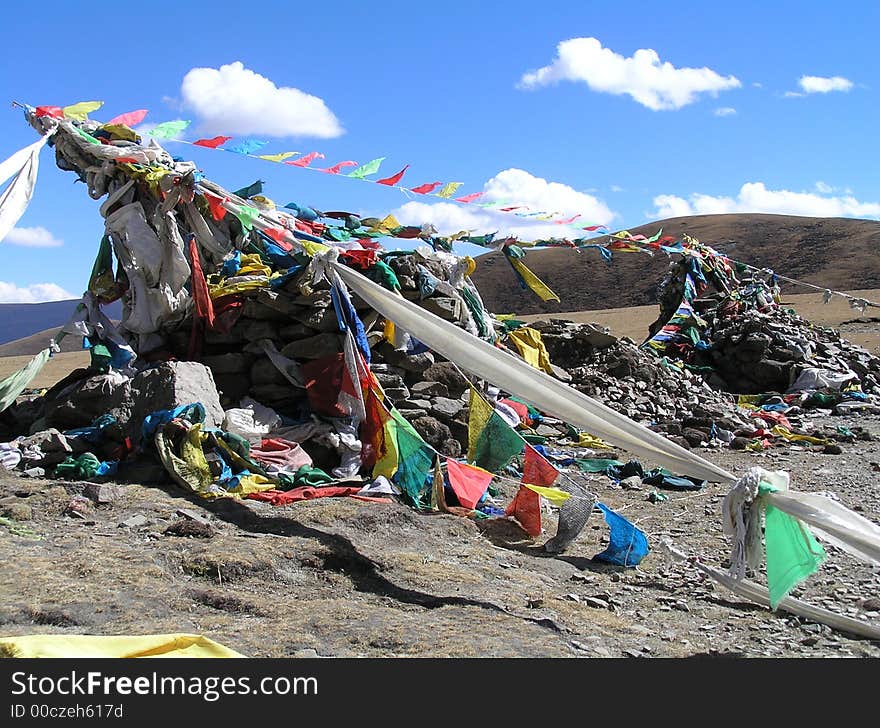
(168, 129)
(253, 189)
(793, 553)
(246, 216)
(365, 169)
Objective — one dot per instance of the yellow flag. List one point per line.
(387, 224)
(532, 281)
(278, 157)
(81, 111)
(448, 190)
(480, 412)
(554, 495)
(531, 348)
(263, 202)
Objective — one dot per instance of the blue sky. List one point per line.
(743, 107)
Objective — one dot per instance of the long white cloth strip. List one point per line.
(515, 376)
(760, 595)
(22, 167)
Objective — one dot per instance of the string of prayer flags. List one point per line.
(129, 119)
(370, 167)
(394, 178)
(448, 190)
(81, 111)
(56, 112)
(168, 129)
(468, 482)
(529, 280)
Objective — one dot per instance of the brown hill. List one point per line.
(837, 253)
(35, 343)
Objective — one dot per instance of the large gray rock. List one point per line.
(167, 386)
(314, 347)
(429, 389)
(446, 409)
(319, 319)
(232, 363)
(446, 373)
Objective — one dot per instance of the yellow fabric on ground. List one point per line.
(157, 645)
(531, 348)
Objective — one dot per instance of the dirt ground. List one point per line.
(342, 577)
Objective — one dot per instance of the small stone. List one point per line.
(633, 482)
(446, 408)
(101, 493)
(871, 605)
(78, 507)
(535, 603)
(135, 521)
(192, 515)
(832, 449)
(595, 602)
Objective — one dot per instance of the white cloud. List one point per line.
(233, 99)
(658, 86)
(724, 111)
(823, 85)
(757, 85)
(755, 197)
(617, 188)
(516, 187)
(33, 237)
(824, 188)
(793, 95)
(34, 293)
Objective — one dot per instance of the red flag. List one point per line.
(594, 228)
(129, 119)
(511, 209)
(468, 482)
(213, 142)
(337, 167)
(426, 188)
(277, 234)
(126, 160)
(218, 212)
(394, 178)
(54, 111)
(526, 506)
(568, 221)
(306, 160)
(469, 198)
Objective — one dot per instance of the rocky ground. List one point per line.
(341, 577)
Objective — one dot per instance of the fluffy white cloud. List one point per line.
(824, 188)
(652, 83)
(724, 111)
(823, 85)
(233, 99)
(515, 187)
(755, 197)
(617, 188)
(33, 237)
(35, 293)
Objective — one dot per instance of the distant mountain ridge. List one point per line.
(20, 320)
(838, 253)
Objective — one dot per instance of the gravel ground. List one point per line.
(340, 577)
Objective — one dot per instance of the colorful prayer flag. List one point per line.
(491, 441)
(254, 188)
(213, 142)
(469, 198)
(370, 167)
(467, 482)
(248, 146)
(426, 188)
(336, 168)
(306, 160)
(280, 157)
(81, 111)
(394, 178)
(129, 119)
(168, 129)
(448, 190)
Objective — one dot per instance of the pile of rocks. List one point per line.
(755, 351)
(636, 383)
